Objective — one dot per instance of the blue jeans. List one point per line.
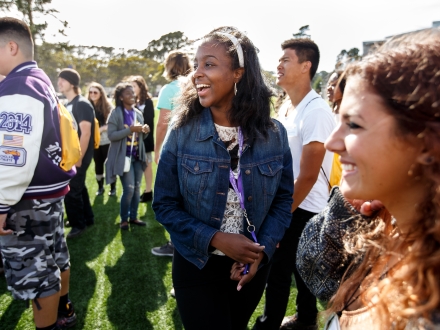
(131, 183)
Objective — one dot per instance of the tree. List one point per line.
(302, 32)
(159, 49)
(319, 81)
(30, 9)
(346, 57)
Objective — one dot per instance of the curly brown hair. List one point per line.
(103, 105)
(405, 72)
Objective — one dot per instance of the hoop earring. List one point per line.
(235, 88)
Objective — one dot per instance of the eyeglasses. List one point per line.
(94, 92)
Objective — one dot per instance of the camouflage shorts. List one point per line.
(36, 254)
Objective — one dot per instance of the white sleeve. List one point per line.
(317, 126)
(21, 130)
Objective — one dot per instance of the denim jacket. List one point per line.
(192, 183)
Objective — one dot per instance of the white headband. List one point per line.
(237, 45)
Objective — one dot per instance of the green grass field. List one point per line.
(116, 283)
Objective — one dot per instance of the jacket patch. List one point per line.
(54, 153)
(11, 156)
(15, 122)
(12, 140)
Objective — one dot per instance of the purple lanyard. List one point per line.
(237, 185)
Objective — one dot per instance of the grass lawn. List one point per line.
(116, 283)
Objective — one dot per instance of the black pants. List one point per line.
(208, 298)
(77, 201)
(280, 280)
(99, 156)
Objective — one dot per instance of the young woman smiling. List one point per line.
(102, 108)
(224, 185)
(125, 130)
(389, 145)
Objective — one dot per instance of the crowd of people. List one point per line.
(235, 185)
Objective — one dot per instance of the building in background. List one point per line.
(369, 46)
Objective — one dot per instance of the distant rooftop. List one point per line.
(368, 46)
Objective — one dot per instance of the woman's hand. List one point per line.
(238, 268)
(237, 247)
(370, 207)
(145, 129)
(136, 128)
(367, 208)
(103, 128)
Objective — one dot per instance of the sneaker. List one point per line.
(172, 293)
(67, 224)
(112, 192)
(75, 232)
(166, 250)
(100, 191)
(137, 222)
(292, 323)
(146, 197)
(124, 225)
(66, 319)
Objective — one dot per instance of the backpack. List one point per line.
(70, 147)
(96, 134)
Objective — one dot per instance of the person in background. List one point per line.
(177, 65)
(309, 122)
(32, 242)
(338, 93)
(77, 202)
(126, 131)
(145, 104)
(102, 108)
(388, 139)
(331, 84)
(224, 185)
(335, 91)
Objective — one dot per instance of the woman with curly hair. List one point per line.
(145, 104)
(224, 185)
(103, 107)
(389, 145)
(126, 156)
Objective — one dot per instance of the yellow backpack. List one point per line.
(70, 147)
(97, 134)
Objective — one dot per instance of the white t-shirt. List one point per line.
(311, 121)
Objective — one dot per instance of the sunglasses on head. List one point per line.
(93, 92)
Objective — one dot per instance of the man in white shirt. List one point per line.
(308, 121)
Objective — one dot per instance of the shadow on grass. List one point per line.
(137, 279)
(11, 316)
(88, 247)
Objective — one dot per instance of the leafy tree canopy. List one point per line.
(302, 32)
(345, 57)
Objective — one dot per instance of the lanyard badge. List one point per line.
(237, 184)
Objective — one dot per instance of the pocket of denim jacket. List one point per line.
(196, 174)
(271, 172)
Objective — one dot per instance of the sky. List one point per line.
(334, 25)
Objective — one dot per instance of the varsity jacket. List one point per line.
(30, 140)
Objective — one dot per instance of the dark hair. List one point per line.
(404, 72)
(306, 50)
(176, 64)
(119, 89)
(102, 105)
(140, 81)
(18, 31)
(250, 107)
